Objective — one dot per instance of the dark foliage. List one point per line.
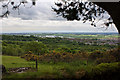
(85, 11)
(109, 56)
(15, 6)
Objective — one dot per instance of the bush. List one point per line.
(108, 59)
(105, 71)
(116, 53)
(95, 55)
(56, 57)
(109, 56)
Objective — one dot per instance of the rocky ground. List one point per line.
(19, 70)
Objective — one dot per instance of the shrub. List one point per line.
(109, 56)
(105, 71)
(55, 57)
(95, 55)
(108, 59)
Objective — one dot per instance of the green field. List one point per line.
(59, 70)
(14, 62)
(77, 35)
(44, 69)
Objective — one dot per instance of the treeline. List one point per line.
(18, 48)
(29, 38)
(16, 45)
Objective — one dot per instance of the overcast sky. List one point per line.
(41, 18)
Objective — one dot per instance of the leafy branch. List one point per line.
(14, 6)
(81, 10)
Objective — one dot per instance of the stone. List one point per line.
(3, 69)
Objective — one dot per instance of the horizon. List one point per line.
(56, 32)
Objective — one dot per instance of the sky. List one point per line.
(41, 18)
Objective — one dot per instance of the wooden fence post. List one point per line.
(36, 64)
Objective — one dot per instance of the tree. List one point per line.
(92, 10)
(14, 6)
(113, 9)
(88, 11)
(35, 47)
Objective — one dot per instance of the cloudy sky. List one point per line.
(41, 18)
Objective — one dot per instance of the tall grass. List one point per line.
(77, 69)
(45, 70)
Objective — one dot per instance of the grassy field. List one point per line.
(62, 70)
(45, 70)
(13, 62)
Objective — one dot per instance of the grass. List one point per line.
(76, 69)
(13, 62)
(0, 59)
(45, 70)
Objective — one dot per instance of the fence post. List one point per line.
(36, 64)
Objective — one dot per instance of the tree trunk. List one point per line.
(113, 8)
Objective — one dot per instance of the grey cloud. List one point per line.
(47, 25)
(42, 11)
